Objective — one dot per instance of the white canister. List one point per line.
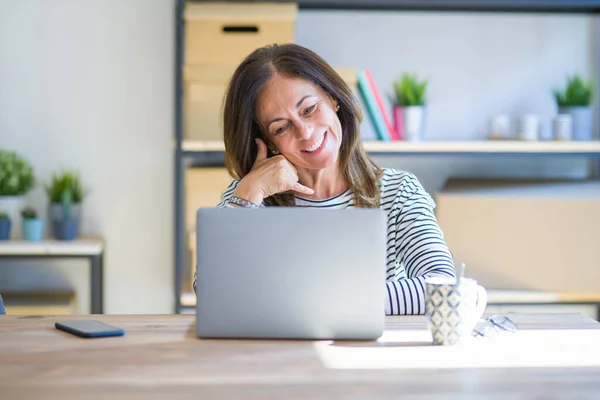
(499, 127)
(414, 121)
(527, 127)
(562, 127)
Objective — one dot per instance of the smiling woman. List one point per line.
(291, 131)
(288, 100)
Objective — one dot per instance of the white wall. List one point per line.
(89, 85)
(479, 64)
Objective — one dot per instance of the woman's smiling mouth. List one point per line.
(316, 146)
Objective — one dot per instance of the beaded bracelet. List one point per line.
(242, 202)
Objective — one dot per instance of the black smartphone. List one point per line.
(89, 328)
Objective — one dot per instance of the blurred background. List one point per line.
(492, 107)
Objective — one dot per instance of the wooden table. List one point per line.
(91, 249)
(551, 356)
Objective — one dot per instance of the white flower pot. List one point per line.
(13, 205)
(414, 121)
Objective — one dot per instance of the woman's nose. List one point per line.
(305, 130)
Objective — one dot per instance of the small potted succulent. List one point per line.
(16, 179)
(33, 227)
(4, 226)
(409, 111)
(575, 100)
(66, 194)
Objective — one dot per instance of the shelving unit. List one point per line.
(91, 249)
(210, 153)
(449, 147)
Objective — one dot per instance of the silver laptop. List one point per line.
(290, 273)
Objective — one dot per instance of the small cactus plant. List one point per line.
(29, 213)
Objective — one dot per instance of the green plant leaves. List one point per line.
(65, 182)
(578, 92)
(29, 213)
(16, 175)
(410, 91)
(17, 178)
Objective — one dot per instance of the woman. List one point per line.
(291, 131)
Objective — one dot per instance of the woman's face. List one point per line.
(299, 120)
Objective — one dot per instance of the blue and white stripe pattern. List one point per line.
(415, 244)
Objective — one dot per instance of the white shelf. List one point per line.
(506, 296)
(79, 247)
(448, 147)
(202, 145)
(495, 296)
(484, 146)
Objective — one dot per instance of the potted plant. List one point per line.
(4, 226)
(409, 111)
(575, 100)
(65, 193)
(16, 179)
(33, 227)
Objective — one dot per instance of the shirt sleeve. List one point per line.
(227, 195)
(420, 247)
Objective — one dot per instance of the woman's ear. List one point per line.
(336, 105)
(271, 150)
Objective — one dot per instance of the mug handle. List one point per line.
(481, 301)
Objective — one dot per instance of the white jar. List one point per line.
(527, 127)
(499, 127)
(563, 127)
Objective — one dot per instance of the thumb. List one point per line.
(262, 150)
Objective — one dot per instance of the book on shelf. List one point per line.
(372, 108)
(381, 106)
(367, 127)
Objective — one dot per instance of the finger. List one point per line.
(298, 187)
(262, 150)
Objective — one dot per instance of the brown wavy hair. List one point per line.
(241, 126)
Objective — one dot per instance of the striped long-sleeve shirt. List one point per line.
(415, 244)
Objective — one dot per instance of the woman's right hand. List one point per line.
(269, 176)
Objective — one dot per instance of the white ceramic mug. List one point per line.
(453, 309)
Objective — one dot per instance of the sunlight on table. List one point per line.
(414, 349)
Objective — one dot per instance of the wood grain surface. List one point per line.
(551, 356)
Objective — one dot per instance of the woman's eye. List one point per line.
(310, 109)
(281, 129)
